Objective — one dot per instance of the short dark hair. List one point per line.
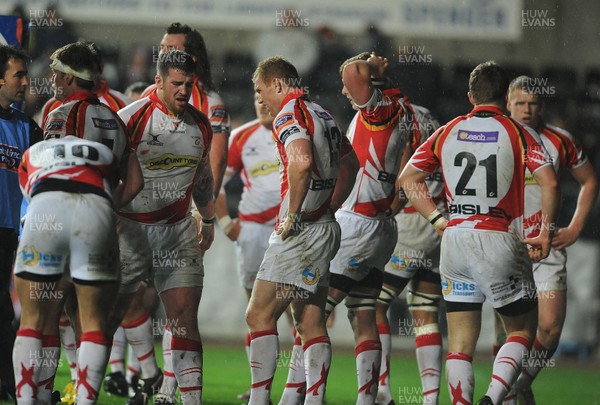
(360, 56)
(8, 52)
(175, 59)
(79, 56)
(488, 83)
(276, 67)
(194, 45)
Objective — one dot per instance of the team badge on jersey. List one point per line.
(477, 136)
(309, 276)
(282, 121)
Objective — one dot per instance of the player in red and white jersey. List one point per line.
(317, 171)
(379, 135)
(112, 98)
(483, 156)
(550, 274)
(70, 180)
(253, 154)
(416, 260)
(158, 235)
(203, 95)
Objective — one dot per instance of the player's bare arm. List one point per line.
(230, 227)
(218, 159)
(132, 180)
(586, 177)
(349, 166)
(540, 245)
(204, 200)
(300, 159)
(412, 181)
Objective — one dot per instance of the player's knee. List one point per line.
(386, 297)
(418, 301)
(549, 333)
(358, 302)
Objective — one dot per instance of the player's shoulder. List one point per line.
(129, 110)
(244, 129)
(198, 116)
(549, 129)
(120, 97)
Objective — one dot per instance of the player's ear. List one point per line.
(470, 96)
(158, 81)
(278, 84)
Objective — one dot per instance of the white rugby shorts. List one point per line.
(366, 243)
(550, 274)
(70, 232)
(251, 245)
(417, 248)
(302, 260)
(477, 265)
(169, 254)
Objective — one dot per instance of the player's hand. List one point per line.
(441, 228)
(378, 65)
(290, 226)
(233, 231)
(539, 247)
(564, 237)
(206, 236)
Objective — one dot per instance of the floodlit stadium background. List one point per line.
(432, 46)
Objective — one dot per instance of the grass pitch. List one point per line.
(226, 374)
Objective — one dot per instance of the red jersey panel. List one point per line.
(483, 156)
(379, 133)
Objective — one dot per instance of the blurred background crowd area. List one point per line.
(432, 47)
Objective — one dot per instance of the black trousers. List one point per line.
(8, 247)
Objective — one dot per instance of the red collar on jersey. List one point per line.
(159, 104)
(80, 95)
(102, 87)
(487, 108)
(297, 93)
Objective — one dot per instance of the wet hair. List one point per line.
(79, 56)
(275, 67)
(488, 83)
(194, 45)
(360, 56)
(175, 59)
(8, 52)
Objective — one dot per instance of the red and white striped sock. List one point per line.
(538, 358)
(116, 360)
(187, 365)
(368, 361)
(28, 341)
(93, 358)
(317, 361)
(295, 385)
(384, 394)
(511, 397)
(169, 384)
(507, 366)
(460, 378)
(48, 365)
(429, 358)
(264, 349)
(67, 339)
(133, 365)
(139, 335)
